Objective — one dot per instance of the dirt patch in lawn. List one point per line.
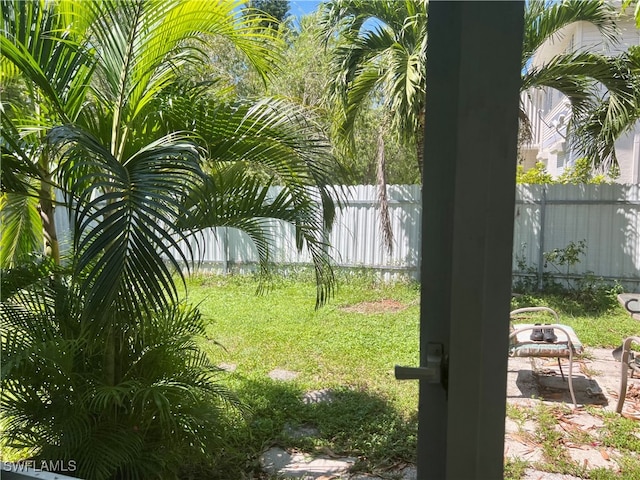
(377, 306)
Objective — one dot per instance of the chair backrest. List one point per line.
(518, 311)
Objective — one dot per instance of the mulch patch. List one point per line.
(377, 306)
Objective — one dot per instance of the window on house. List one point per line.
(548, 99)
(571, 44)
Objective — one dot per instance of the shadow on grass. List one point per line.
(353, 423)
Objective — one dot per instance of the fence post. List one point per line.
(226, 250)
(543, 209)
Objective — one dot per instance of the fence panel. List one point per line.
(607, 217)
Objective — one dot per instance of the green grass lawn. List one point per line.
(336, 347)
(349, 346)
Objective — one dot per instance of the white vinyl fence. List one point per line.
(606, 217)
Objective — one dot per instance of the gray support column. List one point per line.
(473, 80)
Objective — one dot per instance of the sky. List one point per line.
(302, 7)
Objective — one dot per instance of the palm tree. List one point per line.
(118, 152)
(603, 91)
(58, 71)
(165, 413)
(382, 47)
(145, 159)
(381, 55)
(384, 63)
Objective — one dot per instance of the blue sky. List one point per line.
(302, 7)
(299, 8)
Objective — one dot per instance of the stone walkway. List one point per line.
(524, 389)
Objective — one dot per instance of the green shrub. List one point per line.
(139, 410)
(587, 292)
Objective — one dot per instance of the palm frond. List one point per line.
(55, 399)
(47, 52)
(386, 60)
(17, 169)
(21, 228)
(616, 114)
(142, 46)
(603, 92)
(544, 19)
(572, 75)
(123, 216)
(251, 147)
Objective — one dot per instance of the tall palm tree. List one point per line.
(119, 155)
(382, 47)
(603, 91)
(100, 361)
(381, 55)
(379, 58)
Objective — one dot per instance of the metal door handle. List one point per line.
(431, 373)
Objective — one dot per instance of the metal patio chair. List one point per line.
(630, 363)
(566, 345)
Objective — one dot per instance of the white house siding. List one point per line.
(549, 107)
(590, 39)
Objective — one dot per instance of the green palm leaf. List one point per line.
(56, 400)
(615, 115)
(18, 171)
(37, 41)
(124, 216)
(249, 148)
(142, 45)
(601, 89)
(387, 60)
(566, 73)
(544, 19)
(21, 227)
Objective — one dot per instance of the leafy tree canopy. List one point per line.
(275, 9)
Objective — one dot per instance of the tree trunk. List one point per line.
(420, 142)
(383, 200)
(47, 202)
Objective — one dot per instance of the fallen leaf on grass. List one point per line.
(633, 392)
(568, 426)
(604, 454)
(578, 446)
(330, 453)
(525, 440)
